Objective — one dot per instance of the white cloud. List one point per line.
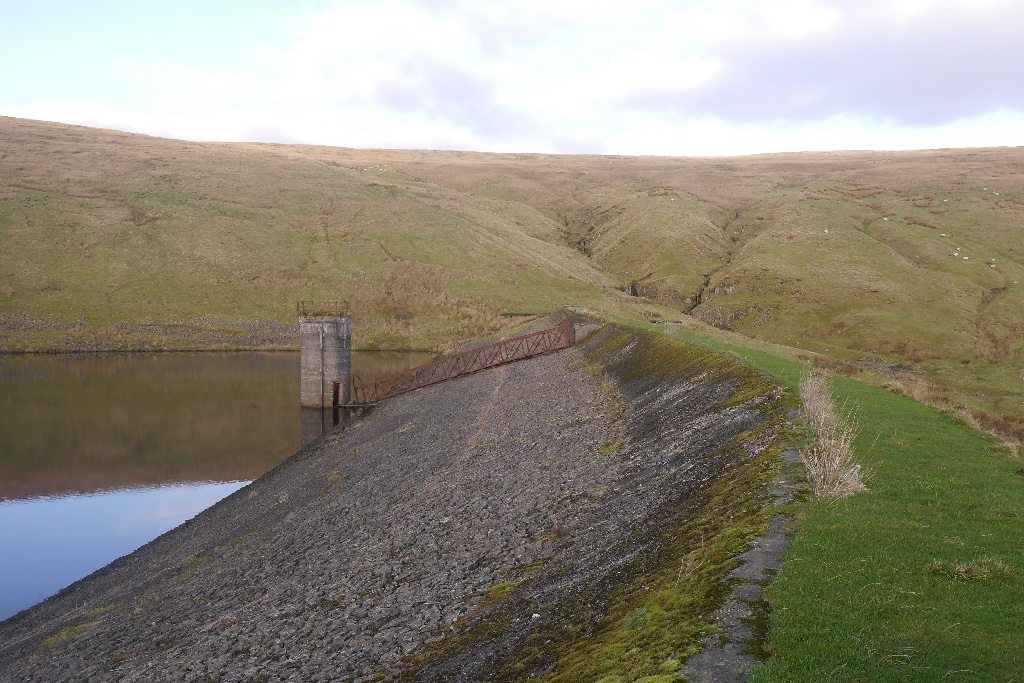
(710, 137)
(664, 77)
(86, 114)
(174, 87)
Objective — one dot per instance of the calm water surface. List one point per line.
(101, 454)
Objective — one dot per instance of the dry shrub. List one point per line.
(992, 294)
(395, 305)
(916, 355)
(914, 220)
(926, 392)
(910, 352)
(836, 365)
(138, 216)
(981, 569)
(895, 386)
(936, 395)
(939, 396)
(1007, 428)
(831, 465)
(996, 343)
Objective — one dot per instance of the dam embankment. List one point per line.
(566, 517)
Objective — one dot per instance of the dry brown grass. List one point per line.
(1007, 428)
(831, 464)
(836, 365)
(995, 343)
(981, 569)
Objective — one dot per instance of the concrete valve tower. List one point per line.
(325, 339)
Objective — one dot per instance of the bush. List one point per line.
(832, 469)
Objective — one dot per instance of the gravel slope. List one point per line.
(510, 497)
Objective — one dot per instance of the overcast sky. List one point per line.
(645, 77)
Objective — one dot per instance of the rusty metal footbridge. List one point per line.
(463, 363)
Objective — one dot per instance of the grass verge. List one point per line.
(918, 579)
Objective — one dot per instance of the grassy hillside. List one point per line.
(103, 228)
(916, 579)
(911, 259)
(919, 578)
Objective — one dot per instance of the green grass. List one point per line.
(129, 242)
(243, 232)
(920, 578)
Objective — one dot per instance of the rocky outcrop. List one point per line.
(559, 513)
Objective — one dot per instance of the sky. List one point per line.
(648, 77)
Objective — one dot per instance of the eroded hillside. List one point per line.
(125, 241)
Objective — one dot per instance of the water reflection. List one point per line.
(75, 424)
(49, 543)
(315, 422)
(154, 433)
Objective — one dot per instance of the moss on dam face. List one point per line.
(565, 518)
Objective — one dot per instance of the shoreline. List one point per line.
(31, 336)
(227, 349)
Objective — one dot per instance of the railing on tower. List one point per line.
(325, 309)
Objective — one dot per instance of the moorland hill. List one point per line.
(914, 259)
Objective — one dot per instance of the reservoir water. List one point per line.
(99, 454)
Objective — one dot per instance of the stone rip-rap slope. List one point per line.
(496, 527)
